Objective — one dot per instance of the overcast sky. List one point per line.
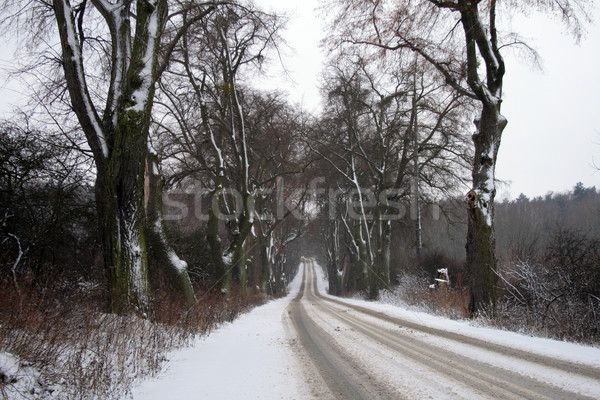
(553, 134)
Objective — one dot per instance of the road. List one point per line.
(353, 352)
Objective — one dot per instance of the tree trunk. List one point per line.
(481, 243)
(243, 265)
(263, 268)
(416, 201)
(386, 248)
(121, 216)
(237, 249)
(371, 269)
(367, 278)
(212, 234)
(163, 258)
(119, 141)
(332, 261)
(333, 279)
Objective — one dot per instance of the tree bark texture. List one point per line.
(481, 245)
(119, 140)
(163, 261)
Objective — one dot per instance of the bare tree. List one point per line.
(45, 206)
(208, 128)
(472, 64)
(383, 131)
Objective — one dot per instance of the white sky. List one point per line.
(553, 134)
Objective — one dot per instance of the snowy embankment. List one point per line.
(19, 381)
(250, 358)
(566, 351)
(254, 357)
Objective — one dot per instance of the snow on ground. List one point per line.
(552, 348)
(530, 346)
(249, 358)
(252, 358)
(19, 381)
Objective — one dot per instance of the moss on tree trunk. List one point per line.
(481, 242)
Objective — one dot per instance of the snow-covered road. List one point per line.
(310, 345)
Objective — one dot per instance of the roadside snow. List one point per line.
(247, 359)
(531, 347)
(566, 351)
(254, 357)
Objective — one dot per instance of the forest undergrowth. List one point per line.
(569, 319)
(58, 343)
(555, 296)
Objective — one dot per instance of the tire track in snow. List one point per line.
(347, 377)
(343, 377)
(483, 378)
(565, 366)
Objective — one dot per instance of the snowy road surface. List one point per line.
(310, 345)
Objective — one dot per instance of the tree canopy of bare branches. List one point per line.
(461, 39)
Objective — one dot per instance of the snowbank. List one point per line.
(249, 358)
(566, 351)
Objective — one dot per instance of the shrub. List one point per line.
(558, 296)
(73, 350)
(414, 290)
